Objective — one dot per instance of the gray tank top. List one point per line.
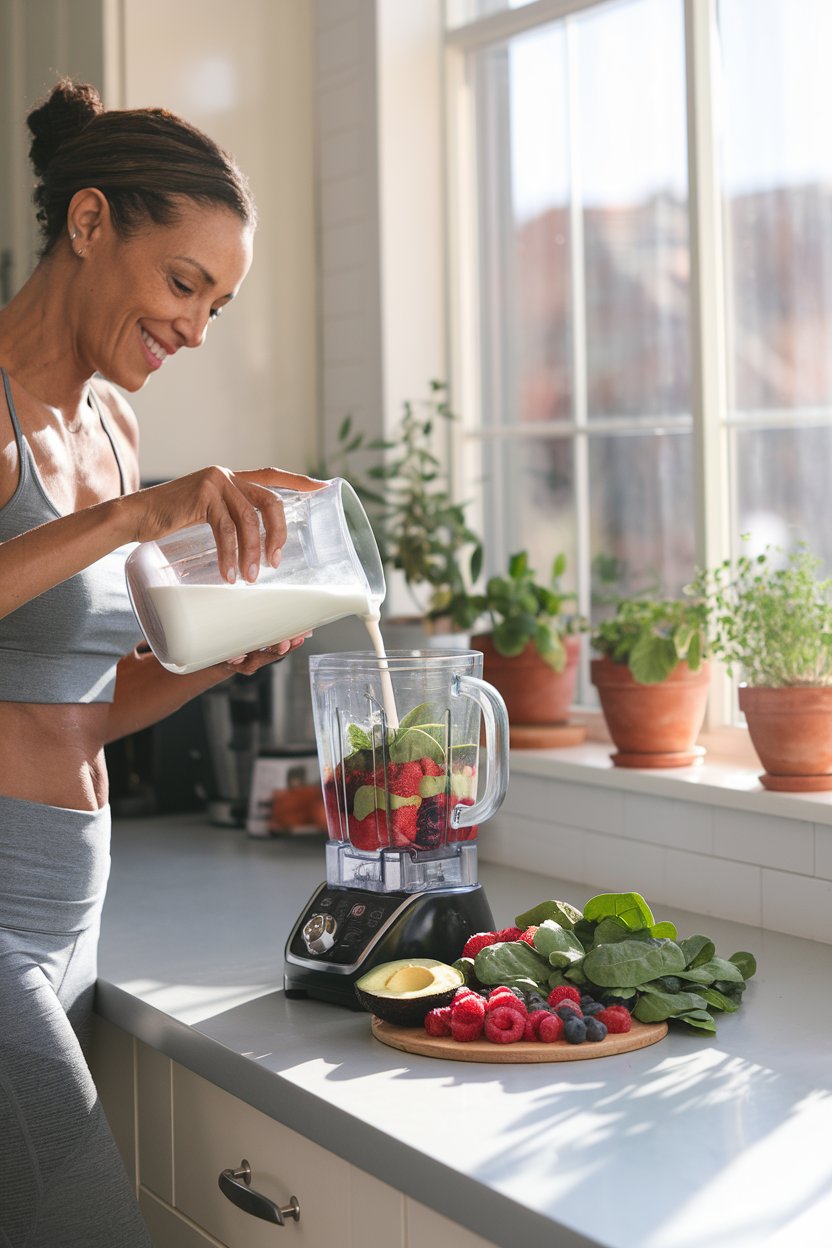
(64, 645)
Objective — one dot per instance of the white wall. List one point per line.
(243, 73)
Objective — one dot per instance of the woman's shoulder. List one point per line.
(122, 420)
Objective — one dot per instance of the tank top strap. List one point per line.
(18, 432)
(105, 425)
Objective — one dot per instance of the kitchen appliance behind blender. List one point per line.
(398, 739)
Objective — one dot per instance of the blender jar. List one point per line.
(192, 617)
(399, 750)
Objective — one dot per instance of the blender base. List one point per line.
(343, 932)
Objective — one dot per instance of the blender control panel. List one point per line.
(338, 925)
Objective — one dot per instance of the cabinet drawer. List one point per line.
(214, 1131)
(168, 1229)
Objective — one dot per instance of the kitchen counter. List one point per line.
(696, 1140)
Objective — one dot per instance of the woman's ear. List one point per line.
(88, 218)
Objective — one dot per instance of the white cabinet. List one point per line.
(177, 1132)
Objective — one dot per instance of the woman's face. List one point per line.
(151, 294)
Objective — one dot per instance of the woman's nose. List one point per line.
(192, 328)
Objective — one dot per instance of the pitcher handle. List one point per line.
(495, 718)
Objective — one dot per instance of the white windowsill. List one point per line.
(715, 781)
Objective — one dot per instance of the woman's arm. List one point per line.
(146, 692)
(232, 503)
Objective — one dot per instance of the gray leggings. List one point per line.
(62, 1181)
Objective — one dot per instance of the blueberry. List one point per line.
(565, 1011)
(595, 1029)
(592, 1008)
(574, 1029)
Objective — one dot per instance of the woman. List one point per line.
(147, 236)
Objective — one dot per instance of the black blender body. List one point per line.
(398, 741)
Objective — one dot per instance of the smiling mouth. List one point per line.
(155, 348)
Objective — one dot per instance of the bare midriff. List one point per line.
(54, 753)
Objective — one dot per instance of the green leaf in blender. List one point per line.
(370, 797)
(358, 738)
(415, 743)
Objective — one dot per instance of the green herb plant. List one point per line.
(523, 609)
(772, 618)
(420, 529)
(616, 952)
(652, 635)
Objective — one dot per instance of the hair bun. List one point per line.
(68, 110)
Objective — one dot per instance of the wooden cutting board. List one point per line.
(417, 1040)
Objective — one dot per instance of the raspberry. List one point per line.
(528, 936)
(404, 779)
(432, 821)
(468, 1009)
(480, 940)
(505, 998)
(615, 1018)
(534, 1023)
(438, 1021)
(510, 933)
(504, 1026)
(595, 1029)
(550, 1028)
(465, 1031)
(564, 992)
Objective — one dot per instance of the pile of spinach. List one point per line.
(616, 951)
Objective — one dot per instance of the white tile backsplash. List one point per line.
(766, 840)
(762, 869)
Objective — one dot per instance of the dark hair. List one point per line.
(144, 160)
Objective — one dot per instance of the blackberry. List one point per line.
(574, 1029)
(595, 1029)
(430, 822)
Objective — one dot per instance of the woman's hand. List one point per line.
(248, 664)
(232, 503)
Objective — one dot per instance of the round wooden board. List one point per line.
(417, 1040)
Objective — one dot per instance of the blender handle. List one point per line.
(495, 717)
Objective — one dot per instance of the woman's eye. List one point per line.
(182, 287)
(214, 313)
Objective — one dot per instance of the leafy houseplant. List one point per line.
(653, 677)
(531, 650)
(420, 529)
(772, 623)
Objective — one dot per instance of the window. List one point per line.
(578, 298)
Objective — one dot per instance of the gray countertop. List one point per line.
(721, 1141)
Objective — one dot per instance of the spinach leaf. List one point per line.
(557, 944)
(631, 908)
(721, 968)
(632, 962)
(508, 961)
(719, 1000)
(697, 949)
(610, 930)
(560, 911)
(664, 930)
(746, 962)
(700, 1019)
(411, 744)
(655, 1006)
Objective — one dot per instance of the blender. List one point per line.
(400, 754)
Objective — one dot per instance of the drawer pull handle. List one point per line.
(236, 1185)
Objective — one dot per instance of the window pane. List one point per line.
(642, 516)
(534, 478)
(460, 12)
(630, 134)
(524, 214)
(782, 486)
(777, 172)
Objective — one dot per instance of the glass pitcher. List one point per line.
(399, 749)
(329, 568)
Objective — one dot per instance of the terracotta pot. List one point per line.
(652, 725)
(537, 697)
(791, 730)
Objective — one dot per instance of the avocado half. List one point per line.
(403, 992)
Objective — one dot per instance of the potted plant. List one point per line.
(652, 678)
(772, 625)
(421, 531)
(531, 650)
